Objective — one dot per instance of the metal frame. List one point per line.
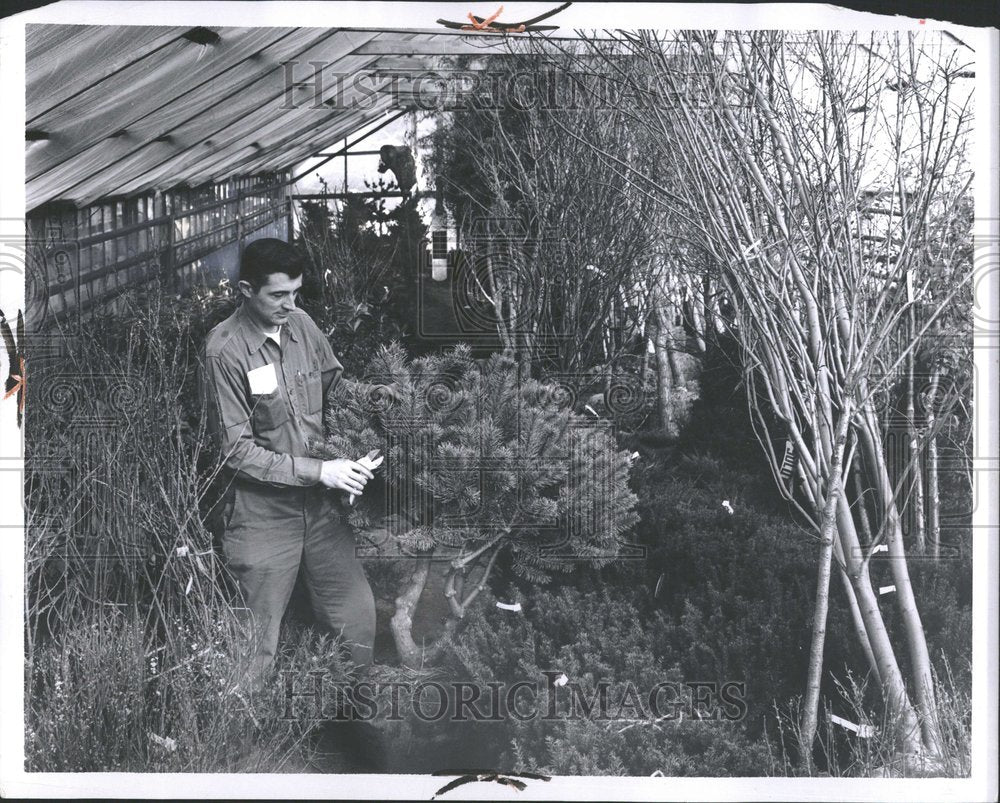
(130, 141)
(169, 173)
(166, 253)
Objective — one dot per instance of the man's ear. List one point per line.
(245, 287)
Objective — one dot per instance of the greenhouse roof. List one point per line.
(113, 111)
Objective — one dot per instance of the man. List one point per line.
(267, 371)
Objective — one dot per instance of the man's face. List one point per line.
(271, 305)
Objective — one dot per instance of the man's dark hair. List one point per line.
(268, 255)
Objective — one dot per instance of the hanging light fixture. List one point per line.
(442, 237)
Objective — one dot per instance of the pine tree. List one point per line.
(479, 460)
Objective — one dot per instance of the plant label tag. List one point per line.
(263, 379)
(864, 730)
(371, 461)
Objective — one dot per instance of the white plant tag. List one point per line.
(371, 461)
(886, 590)
(167, 743)
(881, 548)
(562, 680)
(504, 606)
(864, 730)
(263, 379)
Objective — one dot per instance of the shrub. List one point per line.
(99, 701)
(480, 461)
(596, 637)
(133, 647)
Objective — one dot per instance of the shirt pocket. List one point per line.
(269, 411)
(314, 390)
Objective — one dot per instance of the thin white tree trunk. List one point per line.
(852, 600)
(933, 494)
(828, 534)
(861, 507)
(915, 463)
(697, 313)
(664, 373)
(856, 619)
(901, 711)
(920, 662)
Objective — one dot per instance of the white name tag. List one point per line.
(263, 379)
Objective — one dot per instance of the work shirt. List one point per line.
(265, 404)
(264, 436)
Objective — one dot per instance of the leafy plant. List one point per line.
(361, 261)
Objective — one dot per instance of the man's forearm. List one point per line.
(252, 462)
(230, 426)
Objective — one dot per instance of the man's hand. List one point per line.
(345, 475)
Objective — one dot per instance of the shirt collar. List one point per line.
(253, 335)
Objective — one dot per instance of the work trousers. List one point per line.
(272, 533)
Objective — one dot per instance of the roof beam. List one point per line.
(288, 131)
(293, 154)
(341, 196)
(349, 145)
(444, 33)
(241, 157)
(408, 64)
(350, 153)
(422, 47)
